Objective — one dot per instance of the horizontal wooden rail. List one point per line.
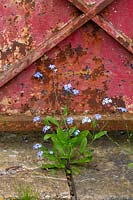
(20, 123)
(56, 38)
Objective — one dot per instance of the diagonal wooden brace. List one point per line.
(56, 38)
(123, 39)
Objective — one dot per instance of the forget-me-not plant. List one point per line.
(122, 109)
(69, 144)
(37, 146)
(39, 154)
(98, 116)
(77, 132)
(36, 119)
(38, 75)
(106, 100)
(75, 91)
(45, 128)
(52, 67)
(70, 120)
(86, 120)
(68, 87)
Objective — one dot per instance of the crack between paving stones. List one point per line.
(70, 181)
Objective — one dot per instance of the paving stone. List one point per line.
(20, 169)
(108, 177)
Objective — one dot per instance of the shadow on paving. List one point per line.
(107, 177)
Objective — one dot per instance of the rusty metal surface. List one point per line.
(90, 59)
(108, 24)
(121, 15)
(25, 123)
(24, 24)
(46, 44)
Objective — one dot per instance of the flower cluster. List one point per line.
(52, 67)
(68, 88)
(106, 101)
(37, 146)
(86, 120)
(39, 154)
(77, 132)
(38, 75)
(98, 116)
(122, 109)
(70, 120)
(45, 129)
(75, 91)
(36, 119)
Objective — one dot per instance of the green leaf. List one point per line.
(52, 120)
(58, 145)
(130, 165)
(99, 135)
(75, 170)
(63, 136)
(84, 133)
(68, 171)
(72, 130)
(52, 166)
(83, 145)
(51, 157)
(47, 136)
(65, 111)
(81, 161)
(77, 140)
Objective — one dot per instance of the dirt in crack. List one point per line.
(70, 182)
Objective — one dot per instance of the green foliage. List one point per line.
(27, 194)
(67, 147)
(130, 165)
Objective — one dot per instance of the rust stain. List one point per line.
(89, 59)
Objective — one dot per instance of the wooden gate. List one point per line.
(90, 44)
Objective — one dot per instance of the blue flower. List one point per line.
(52, 67)
(36, 119)
(77, 132)
(68, 87)
(106, 101)
(86, 120)
(39, 154)
(37, 146)
(38, 75)
(75, 92)
(70, 120)
(122, 109)
(51, 152)
(98, 116)
(45, 129)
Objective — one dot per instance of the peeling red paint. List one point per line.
(121, 15)
(23, 24)
(90, 59)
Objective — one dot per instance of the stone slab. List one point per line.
(108, 177)
(20, 169)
